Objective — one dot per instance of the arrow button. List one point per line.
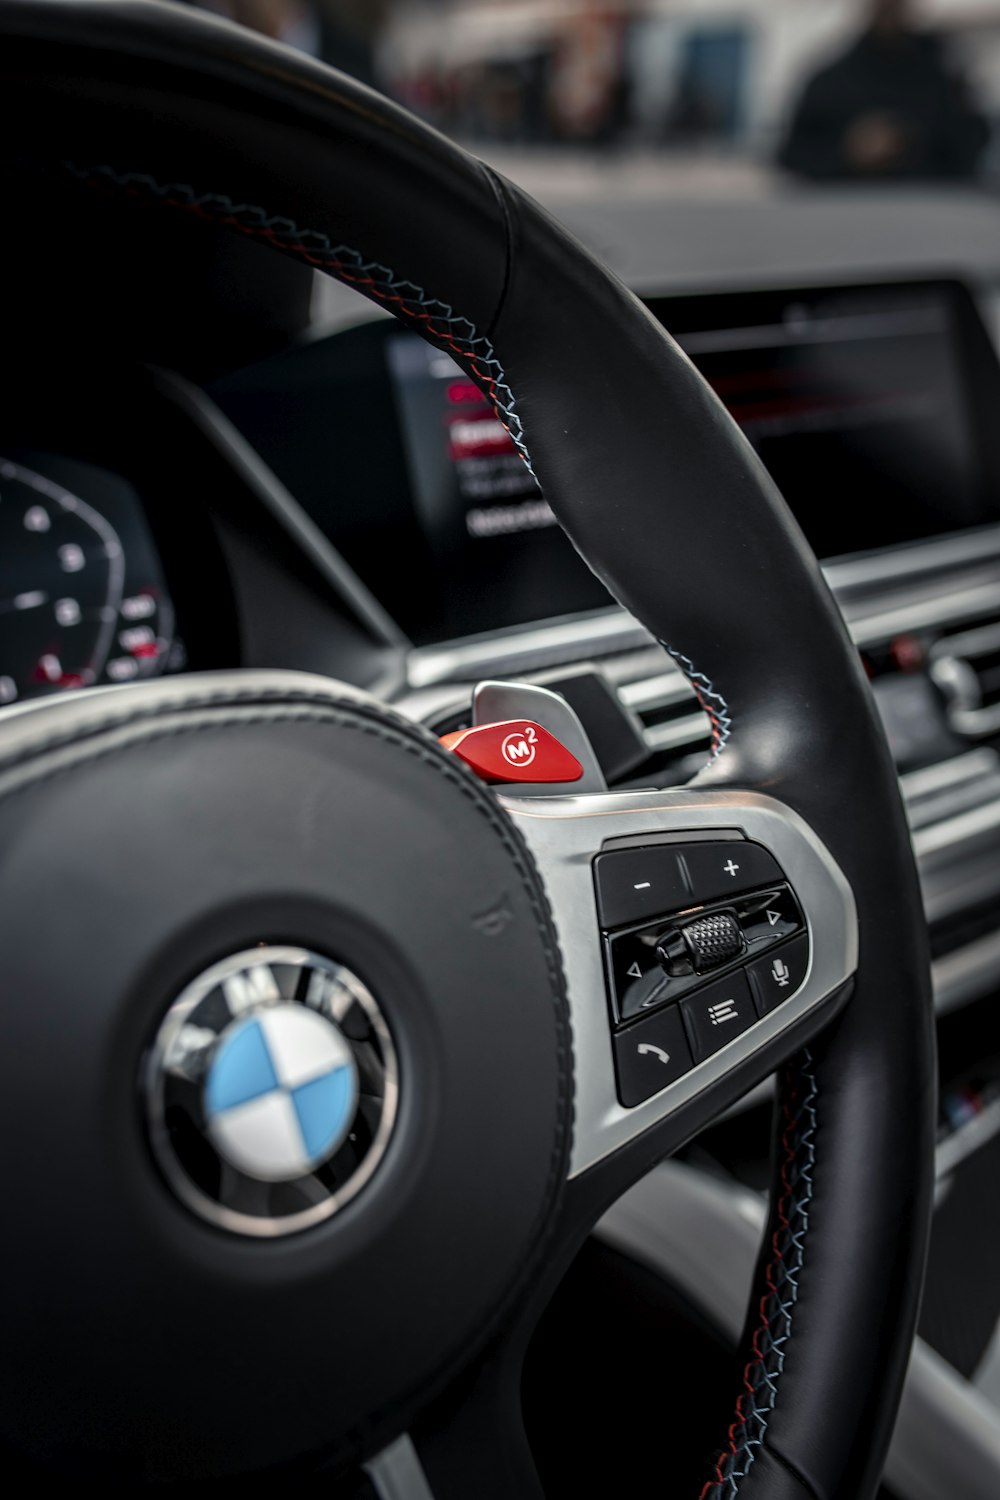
(768, 917)
(639, 983)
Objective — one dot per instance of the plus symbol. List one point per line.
(731, 869)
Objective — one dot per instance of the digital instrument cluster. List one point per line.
(82, 594)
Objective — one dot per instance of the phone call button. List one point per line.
(651, 1054)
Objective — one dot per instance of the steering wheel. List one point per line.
(311, 1085)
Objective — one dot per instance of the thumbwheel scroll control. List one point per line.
(703, 945)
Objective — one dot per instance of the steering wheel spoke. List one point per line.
(706, 935)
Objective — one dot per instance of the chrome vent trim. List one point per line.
(940, 792)
(965, 665)
(673, 723)
(667, 688)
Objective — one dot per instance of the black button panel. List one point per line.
(652, 965)
(767, 917)
(718, 871)
(651, 1054)
(717, 1013)
(635, 884)
(713, 940)
(779, 975)
(637, 978)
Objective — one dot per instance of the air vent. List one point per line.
(674, 726)
(966, 667)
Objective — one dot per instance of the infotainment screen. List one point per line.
(873, 408)
(486, 522)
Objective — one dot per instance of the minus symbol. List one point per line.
(643, 885)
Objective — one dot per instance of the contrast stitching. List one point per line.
(436, 319)
(710, 700)
(404, 298)
(770, 1342)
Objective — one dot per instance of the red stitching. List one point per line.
(770, 1300)
(329, 262)
(494, 383)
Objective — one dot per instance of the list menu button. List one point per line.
(717, 1013)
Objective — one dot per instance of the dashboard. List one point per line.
(871, 407)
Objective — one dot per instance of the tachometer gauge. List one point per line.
(62, 572)
(74, 608)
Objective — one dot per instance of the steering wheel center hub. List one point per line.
(271, 1090)
(298, 962)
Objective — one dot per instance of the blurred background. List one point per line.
(649, 97)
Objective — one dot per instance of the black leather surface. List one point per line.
(146, 835)
(672, 509)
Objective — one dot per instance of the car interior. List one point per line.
(499, 801)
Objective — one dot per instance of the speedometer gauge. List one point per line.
(81, 601)
(62, 571)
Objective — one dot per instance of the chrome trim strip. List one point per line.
(690, 731)
(890, 566)
(665, 690)
(973, 642)
(986, 1378)
(565, 833)
(961, 829)
(948, 773)
(967, 1140)
(549, 643)
(552, 642)
(924, 614)
(966, 974)
(397, 1473)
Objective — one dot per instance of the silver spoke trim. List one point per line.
(565, 834)
(397, 1474)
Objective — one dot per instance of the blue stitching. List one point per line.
(710, 699)
(439, 317)
(771, 1340)
(342, 259)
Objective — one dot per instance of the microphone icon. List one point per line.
(781, 972)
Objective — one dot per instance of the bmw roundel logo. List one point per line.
(280, 1093)
(271, 1090)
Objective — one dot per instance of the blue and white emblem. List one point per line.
(281, 1093)
(271, 1090)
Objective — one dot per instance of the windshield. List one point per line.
(678, 96)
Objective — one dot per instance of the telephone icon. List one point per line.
(657, 1052)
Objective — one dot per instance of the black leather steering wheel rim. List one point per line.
(671, 508)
